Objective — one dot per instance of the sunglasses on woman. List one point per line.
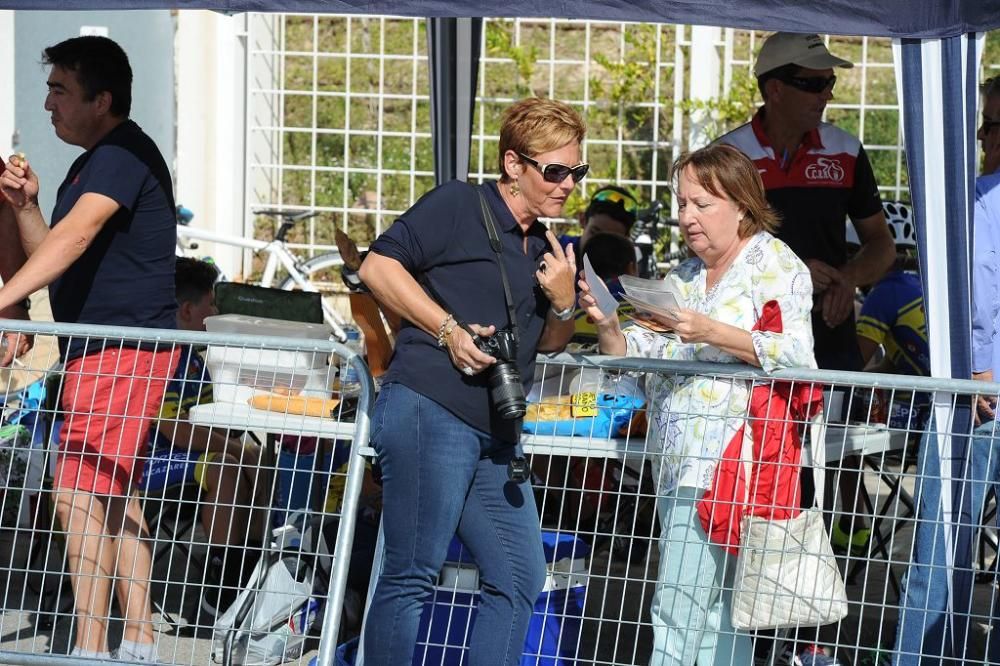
(810, 84)
(554, 172)
(614, 197)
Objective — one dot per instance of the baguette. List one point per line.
(295, 404)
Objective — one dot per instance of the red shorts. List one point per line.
(109, 401)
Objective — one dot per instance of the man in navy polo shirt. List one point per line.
(817, 175)
(108, 259)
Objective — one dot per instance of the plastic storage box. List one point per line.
(237, 372)
(554, 630)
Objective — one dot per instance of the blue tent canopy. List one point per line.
(938, 66)
(885, 18)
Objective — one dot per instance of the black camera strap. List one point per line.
(489, 222)
(491, 230)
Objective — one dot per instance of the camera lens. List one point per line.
(506, 391)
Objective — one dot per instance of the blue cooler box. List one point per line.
(554, 630)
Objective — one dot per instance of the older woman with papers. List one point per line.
(744, 297)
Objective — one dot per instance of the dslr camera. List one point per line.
(504, 380)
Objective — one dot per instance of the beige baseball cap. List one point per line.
(785, 48)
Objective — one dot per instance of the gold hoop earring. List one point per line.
(515, 189)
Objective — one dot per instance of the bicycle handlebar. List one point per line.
(287, 216)
(184, 215)
(648, 214)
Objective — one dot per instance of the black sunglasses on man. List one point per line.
(810, 84)
(988, 125)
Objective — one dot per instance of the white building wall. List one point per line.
(6, 82)
(210, 75)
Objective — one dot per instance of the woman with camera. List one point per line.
(744, 297)
(481, 286)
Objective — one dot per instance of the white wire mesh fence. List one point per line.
(629, 563)
(339, 112)
(168, 499)
(608, 482)
(632, 577)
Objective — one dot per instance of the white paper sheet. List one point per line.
(605, 301)
(666, 305)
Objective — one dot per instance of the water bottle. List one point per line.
(350, 382)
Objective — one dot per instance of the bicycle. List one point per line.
(299, 273)
(649, 226)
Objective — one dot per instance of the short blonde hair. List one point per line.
(726, 172)
(534, 125)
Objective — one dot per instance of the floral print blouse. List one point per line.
(693, 418)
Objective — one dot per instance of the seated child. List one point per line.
(235, 488)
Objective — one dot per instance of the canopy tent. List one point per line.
(937, 58)
(887, 18)
(937, 79)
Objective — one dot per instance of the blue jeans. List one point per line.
(440, 477)
(922, 637)
(693, 598)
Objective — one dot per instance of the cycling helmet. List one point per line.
(899, 219)
(902, 226)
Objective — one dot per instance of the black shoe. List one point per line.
(224, 578)
(212, 603)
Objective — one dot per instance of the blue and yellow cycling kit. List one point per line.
(893, 316)
(168, 463)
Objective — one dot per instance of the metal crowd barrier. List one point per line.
(596, 487)
(878, 420)
(278, 396)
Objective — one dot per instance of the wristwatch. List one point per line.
(564, 315)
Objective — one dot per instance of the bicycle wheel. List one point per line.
(323, 273)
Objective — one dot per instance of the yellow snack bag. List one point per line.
(584, 404)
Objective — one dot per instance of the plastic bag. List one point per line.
(604, 412)
(283, 608)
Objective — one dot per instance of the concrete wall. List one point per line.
(6, 82)
(148, 39)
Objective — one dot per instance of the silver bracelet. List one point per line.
(563, 315)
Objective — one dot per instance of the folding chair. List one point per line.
(884, 465)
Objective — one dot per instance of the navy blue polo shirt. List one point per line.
(441, 240)
(126, 276)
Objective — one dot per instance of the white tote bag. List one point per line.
(786, 572)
